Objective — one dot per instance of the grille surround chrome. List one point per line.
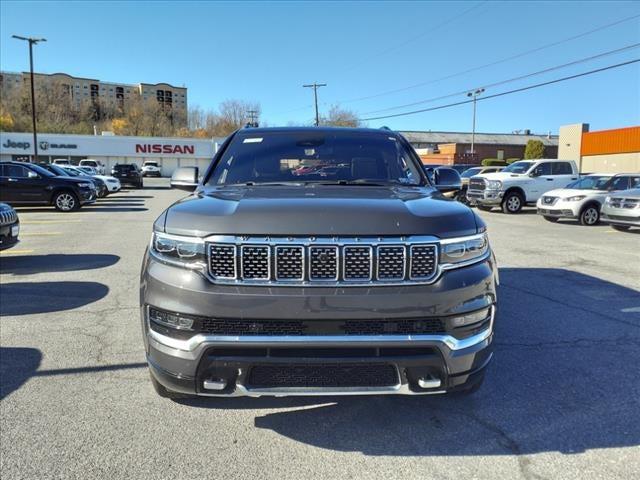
(339, 243)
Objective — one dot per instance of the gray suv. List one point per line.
(271, 279)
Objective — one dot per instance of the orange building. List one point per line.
(605, 151)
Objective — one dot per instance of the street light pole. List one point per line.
(315, 87)
(32, 41)
(473, 131)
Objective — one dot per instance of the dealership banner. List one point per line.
(107, 146)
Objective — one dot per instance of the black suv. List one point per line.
(128, 173)
(23, 184)
(101, 187)
(273, 280)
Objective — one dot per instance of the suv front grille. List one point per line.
(296, 261)
(477, 184)
(7, 217)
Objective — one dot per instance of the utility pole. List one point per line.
(315, 87)
(253, 117)
(474, 95)
(32, 41)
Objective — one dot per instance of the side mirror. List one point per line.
(447, 180)
(185, 178)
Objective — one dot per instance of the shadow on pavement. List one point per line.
(565, 378)
(43, 297)
(30, 264)
(86, 209)
(17, 365)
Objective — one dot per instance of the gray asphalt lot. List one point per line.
(561, 399)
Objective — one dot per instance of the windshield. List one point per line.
(471, 172)
(57, 170)
(316, 157)
(42, 171)
(519, 167)
(151, 164)
(592, 182)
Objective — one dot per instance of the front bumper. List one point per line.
(113, 187)
(185, 365)
(87, 196)
(617, 217)
(485, 197)
(9, 235)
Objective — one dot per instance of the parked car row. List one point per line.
(63, 186)
(558, 192)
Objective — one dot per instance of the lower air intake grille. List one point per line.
(323, 375)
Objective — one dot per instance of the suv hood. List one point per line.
(574, 192)
(319, 210)
(502, 176)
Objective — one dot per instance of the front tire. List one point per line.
(512, 203)
(66, 201)
(163, 392)
(621, 228)
(590, 215)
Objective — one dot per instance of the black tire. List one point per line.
(139, 186)
(512, 203)
(473, 388)
(551, 219)
(621, 228)
(590, 215)
(163, 392)
(484, 208)
(66, 201)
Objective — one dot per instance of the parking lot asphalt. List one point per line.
(561, 399)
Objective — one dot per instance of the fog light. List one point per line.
(171, 320)
(470, 318)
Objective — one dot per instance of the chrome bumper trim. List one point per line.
(199, 342)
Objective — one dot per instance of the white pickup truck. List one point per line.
(520, 184)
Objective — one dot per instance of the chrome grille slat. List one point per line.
(323, 263)
(289, 263)
(357, 263)
(255, 262)
(299, 261)
(222, 261)
(391, 262)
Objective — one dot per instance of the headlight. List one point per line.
(577, 198)
(494, 184)
(186, 251)
(85, 185)
(179, 322)
(607, 200)
(464, 250)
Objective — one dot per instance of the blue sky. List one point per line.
(265, 51)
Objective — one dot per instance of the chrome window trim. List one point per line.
(344, 263)
(292, 280)
(404, 263)
(337, 250)
(241, 255)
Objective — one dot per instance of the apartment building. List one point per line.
(117, 94)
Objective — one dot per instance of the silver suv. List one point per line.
(271, 279)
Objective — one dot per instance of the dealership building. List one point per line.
(170, 153)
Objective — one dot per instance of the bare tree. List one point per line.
(339, 117)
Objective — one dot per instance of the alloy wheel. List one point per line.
(590, 216)
(65, 202)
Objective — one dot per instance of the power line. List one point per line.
(496, 62)
(412, 39)
(522, 89)
(511, 80)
